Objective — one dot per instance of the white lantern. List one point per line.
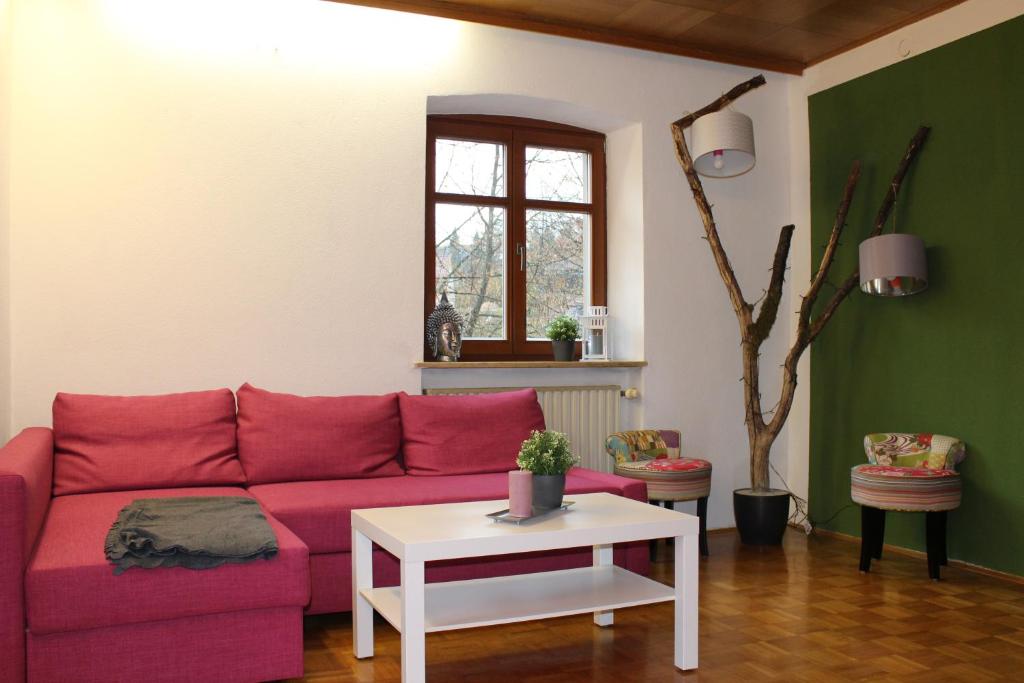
(723, 144)
(595, 333)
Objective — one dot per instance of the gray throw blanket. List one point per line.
(198, 532)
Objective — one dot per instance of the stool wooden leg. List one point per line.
(879, 534)
(943, 556)
(702, 513)
(867, 531)
(933, 542)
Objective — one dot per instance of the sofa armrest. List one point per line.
(629, 488)
(26, 482)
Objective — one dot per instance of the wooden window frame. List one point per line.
(516, 134)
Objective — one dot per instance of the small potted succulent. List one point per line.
(548, 456)
(563, 332)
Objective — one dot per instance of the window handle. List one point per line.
(521, 253)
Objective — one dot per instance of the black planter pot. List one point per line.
(761, 516)
(548, 490)
(564, 350)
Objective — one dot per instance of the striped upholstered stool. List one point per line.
(907, 473)
(652, 456)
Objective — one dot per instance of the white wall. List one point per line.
(955, 23)
(204, 195)
(5, 197)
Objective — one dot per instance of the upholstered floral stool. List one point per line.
(652, 456)
(907, 473)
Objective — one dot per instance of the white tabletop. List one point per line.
(451, 530)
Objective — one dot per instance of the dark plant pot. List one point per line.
(564, 350)
(548, 490)
(761, 516)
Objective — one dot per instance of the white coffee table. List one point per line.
(421, 533)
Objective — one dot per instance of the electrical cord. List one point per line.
(845, 507)
(801, 515)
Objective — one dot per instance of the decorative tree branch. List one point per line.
(833, 243)
(739, 305)
(762, 327)
(884, 211)
(722, 102)
(754, 332)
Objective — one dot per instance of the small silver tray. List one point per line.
(538, 513)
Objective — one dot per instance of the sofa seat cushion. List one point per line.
(467, 434)
(320, 512)
(70, 585)
(282, 437)
(127, 443)
(675, 479)
(908, 489)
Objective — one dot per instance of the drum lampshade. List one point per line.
(723, 144)
(893, 265)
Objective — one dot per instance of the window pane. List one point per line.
(557, 246)
(557, 174)
(465, 167)
(470, 265)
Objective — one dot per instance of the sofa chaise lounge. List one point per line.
(308, 461)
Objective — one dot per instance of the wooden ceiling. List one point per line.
(780, 35)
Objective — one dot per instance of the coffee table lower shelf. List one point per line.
(524, 597)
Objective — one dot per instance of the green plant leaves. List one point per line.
(546, 452)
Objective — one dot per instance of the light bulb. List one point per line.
(719, 159)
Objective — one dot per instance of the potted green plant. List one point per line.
(548, 456)
(563, 332)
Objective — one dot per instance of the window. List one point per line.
(515, 227)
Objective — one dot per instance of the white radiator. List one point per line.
(587, 415)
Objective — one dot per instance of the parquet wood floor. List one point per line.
(801, 612)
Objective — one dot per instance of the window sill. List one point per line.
(524, 364)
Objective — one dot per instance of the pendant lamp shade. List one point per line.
(893, 265)
(723, 144)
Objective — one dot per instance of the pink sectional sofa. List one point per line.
(309, 461)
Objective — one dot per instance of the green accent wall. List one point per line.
(948, 360)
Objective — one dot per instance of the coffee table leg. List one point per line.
(362, 610)
(603, 557)
(414, 650)
(686, 602)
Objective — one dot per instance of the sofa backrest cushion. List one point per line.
(119, 443)
(467, 434)
(282, 437)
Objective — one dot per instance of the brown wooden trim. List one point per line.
(909, 552)
(593, 144)
(471, 199)
(550, 205)
(516, 122)
(462, 128)
(517, 20)
(519, 364)
(447, 127)
(516, 134)
(942, 7)
(429, 239)
(517, 274)
(599, 221)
